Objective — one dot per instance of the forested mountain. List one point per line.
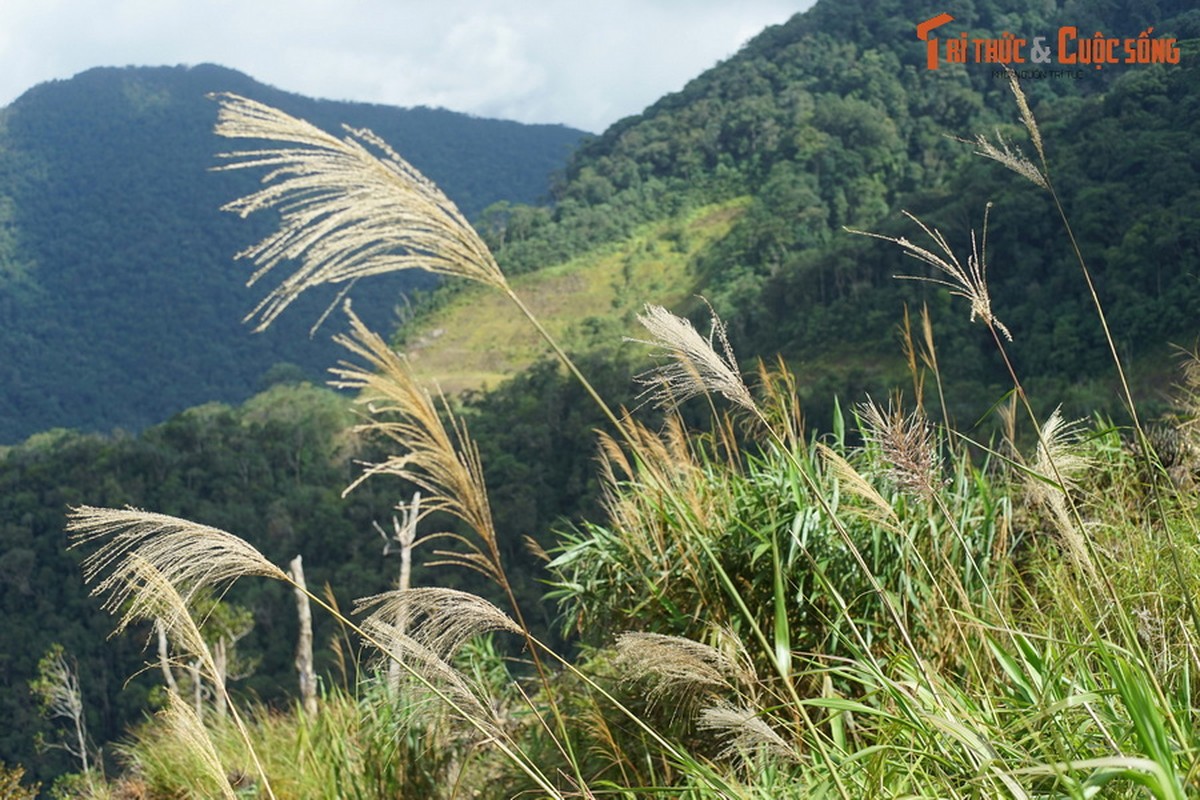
(120, 303)
(833, 121)
(829, 121)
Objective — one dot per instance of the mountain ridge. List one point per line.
(119, 300)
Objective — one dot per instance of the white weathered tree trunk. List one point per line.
(220, 654)
(304, 651)
(164, 661)
(406, 536)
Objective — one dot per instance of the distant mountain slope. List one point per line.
(833, 121)
(119, 300)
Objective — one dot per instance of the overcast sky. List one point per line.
(586, 64)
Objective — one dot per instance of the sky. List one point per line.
(584, 64)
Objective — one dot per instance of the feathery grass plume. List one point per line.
(906, 443)
(186, 555)
(155, 564)
(1058, 454)
(445, 467)
(1027, 117)
(695, 367)
(181, 720)
(350, 207)
(680, 667)
(438, 618)
(1009, 155)
(427, 677)
(969, 281)
(423, 629)
(136, 590)
(1057, 450)
(745, 733)
(878, 509)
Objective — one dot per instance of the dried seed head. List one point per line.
(1057, 463)
(969, 281)
(187, 729)
(744, 732)
(677, 666)
(188, 555)
(439, 619)
(1027, 117)
(349, 208)
(694, 367)
(906, 443)
(1057, 454)
(1010, 155)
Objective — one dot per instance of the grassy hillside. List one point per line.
(476, 338)
(832, 121)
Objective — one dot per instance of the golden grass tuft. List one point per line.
(189, 731)
(440, 619)
(907, 444)
(444, 464)
(744, 732)
(143, 548)
(677, 666)
(1056, 465)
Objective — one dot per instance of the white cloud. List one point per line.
(581, 64)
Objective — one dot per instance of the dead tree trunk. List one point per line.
(220, 655)
(304, 651)
(164, 661)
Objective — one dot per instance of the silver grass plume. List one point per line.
(1027, 116)
(744, 732)
(694, 367)
(445, 467)
(878, 510)
(439, 619)
(969, 281)
(153, 565)
(1010, 155)
(906, 443)
(1056, 465)
(426, 677)
(1058, 452)
(137, 591)
(677, 666)
(349, 207)
(422, 629)
(187, 729)
(186, 555)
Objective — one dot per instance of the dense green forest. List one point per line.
(833, 121)
(827, 122)
(116, 265)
